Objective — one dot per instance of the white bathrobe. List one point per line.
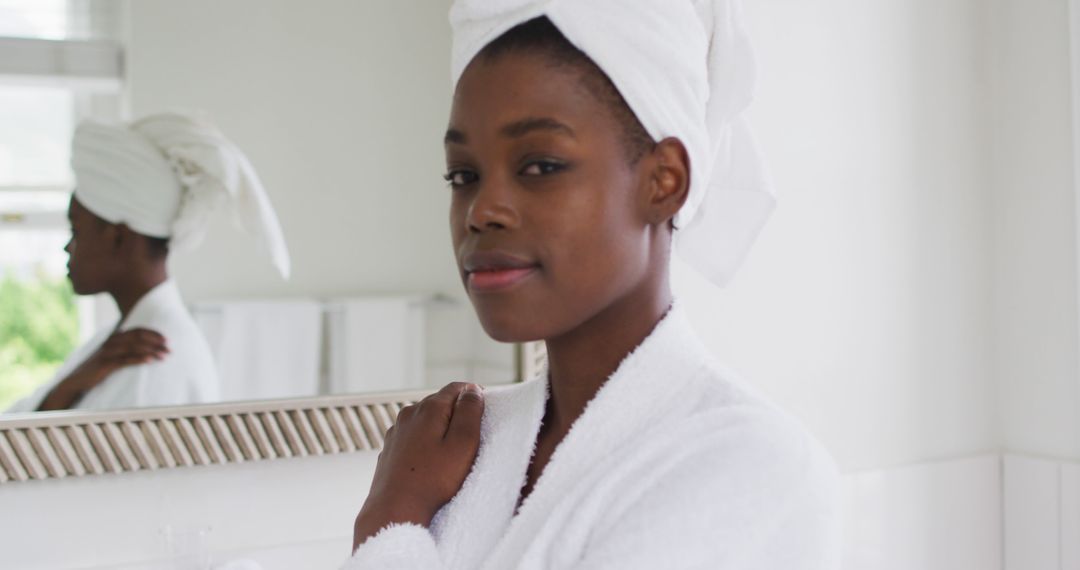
(187, 375)
(673, 465)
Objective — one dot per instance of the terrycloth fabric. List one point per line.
(673, 464)
(165, 174)
(687, 70)
(186, 375)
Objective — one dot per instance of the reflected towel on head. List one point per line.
(164, 175)
(686, 69)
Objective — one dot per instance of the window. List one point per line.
(61, 19)
(42, 98)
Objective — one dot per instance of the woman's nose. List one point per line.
(492, 208)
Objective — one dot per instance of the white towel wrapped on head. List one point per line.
(165, 174)
(686, 69)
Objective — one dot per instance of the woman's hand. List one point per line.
(425, 458)
(124, 348)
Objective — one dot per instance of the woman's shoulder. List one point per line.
(765, 440)
(738, 481)
(726, 421)
(735, 475)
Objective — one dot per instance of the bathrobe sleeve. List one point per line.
(397, 547)
(78, 356)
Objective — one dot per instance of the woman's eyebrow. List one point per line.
(525, 126)
(515, 130)
(454, 136)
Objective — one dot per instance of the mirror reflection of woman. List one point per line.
(141, 190)
(587, 140)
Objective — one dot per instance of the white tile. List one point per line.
(1032, 507)
(936, 516)
(1070, 516)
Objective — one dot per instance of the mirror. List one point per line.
(340, 109)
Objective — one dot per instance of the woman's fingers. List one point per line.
(146, 342)
(149, 340)
(145, 336)
(133, 359)
(406, 413)
(468, 411)
(132, 347)
(452, 412)
(143, 351)
(426, 457)
(436, 410)
(142, 337)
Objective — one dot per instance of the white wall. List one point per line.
(1034, 229)
(864, 306)
(341, 106)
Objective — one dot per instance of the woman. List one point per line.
(142, 189)
(585, 136)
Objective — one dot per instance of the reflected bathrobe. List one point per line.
(674, 464)
(187, 375)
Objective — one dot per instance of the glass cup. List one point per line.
(187, 547)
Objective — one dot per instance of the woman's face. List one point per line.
(90, 255)
(549, 217)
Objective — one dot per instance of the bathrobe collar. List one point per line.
(639, 394)
(163, 298)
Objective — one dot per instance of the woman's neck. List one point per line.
(580, 361)
(127, 294)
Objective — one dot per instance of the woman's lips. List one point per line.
(491, 271)
(491, 280)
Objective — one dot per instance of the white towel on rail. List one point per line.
(265, 349)
(376, 344)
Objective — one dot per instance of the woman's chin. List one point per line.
(80, 287)
(76, 286)
(508, 334)
(519, 327)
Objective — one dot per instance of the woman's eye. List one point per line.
(542, 167)
(459, 178)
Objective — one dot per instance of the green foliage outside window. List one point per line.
(39, 327)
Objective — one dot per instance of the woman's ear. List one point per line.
(669, 180)
(120, 235)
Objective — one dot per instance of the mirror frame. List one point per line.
(56, 445)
